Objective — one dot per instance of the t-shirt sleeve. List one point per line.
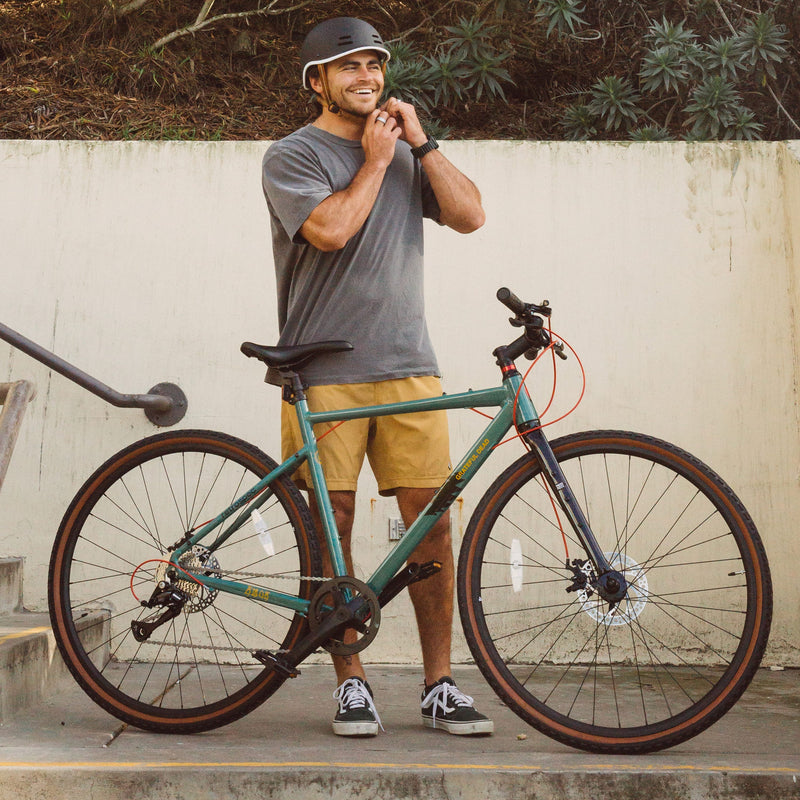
(294, 185)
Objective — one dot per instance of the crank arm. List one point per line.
(332, 626)
(411, 574)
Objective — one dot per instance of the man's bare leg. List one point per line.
(433, 597)
(344, 504)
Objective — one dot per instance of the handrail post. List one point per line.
(165, 404)
(14, 398)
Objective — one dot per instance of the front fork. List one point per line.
(610, 583)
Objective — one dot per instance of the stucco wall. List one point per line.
(671, 269)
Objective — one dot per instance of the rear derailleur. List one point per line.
(166, 597)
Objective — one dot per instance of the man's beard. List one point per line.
(354, 111)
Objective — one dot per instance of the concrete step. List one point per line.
(31, 667)
(10, 585)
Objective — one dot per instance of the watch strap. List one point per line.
(420, 151)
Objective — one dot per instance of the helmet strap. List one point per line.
(326, 92)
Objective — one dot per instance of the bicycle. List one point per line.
(603, 566)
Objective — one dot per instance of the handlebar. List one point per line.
(527, 315)
(522, 310)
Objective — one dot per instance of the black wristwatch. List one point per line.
(420, 151)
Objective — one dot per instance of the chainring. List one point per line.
(332, 595)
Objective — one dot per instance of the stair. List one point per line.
(31, 667)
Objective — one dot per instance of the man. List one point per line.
(346, 196)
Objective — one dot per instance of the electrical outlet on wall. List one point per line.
(396, 529)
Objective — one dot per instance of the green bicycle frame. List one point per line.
(516, 409)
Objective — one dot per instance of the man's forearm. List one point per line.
(332, 224)
(458, 197)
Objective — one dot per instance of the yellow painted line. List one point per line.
(392, 765)
(22, 634)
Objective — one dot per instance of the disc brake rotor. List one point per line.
(631, 606)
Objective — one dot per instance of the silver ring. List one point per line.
(382, 120)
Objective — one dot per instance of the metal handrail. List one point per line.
(165, 404)
(14, 399)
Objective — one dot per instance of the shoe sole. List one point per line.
(355, 728)
(483, 727)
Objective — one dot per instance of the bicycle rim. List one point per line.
(668, 660)
(196, 671)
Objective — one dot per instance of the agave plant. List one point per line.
(614, 101)
(578, 122)
(563, 16)
(651, 133)
(663, 69)
(763, 43)
(724, 56)
(712, 110)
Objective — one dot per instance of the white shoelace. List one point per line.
(353, 693)
(438, 697)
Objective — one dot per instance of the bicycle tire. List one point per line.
(196, 672)
(676, 653)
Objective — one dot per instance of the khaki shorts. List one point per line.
(409, 451)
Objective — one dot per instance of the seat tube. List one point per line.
(320, 487)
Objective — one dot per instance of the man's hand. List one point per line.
(405, 117)
(381, 132)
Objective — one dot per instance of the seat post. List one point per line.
(293, 387)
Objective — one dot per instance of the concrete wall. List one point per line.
(671, 269)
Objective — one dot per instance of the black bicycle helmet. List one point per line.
(338, 37)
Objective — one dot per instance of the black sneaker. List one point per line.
(445, 706)
(357, 715)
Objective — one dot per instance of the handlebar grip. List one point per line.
(511, 301)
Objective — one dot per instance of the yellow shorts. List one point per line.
(409, 451)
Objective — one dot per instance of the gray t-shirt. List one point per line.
(370, 292)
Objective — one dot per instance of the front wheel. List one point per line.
(195, 671)
(674, 654)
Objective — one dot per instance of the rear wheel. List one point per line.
(196, 671)
(680, 648)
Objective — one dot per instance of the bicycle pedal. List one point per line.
(273, 661)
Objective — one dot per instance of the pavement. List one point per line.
(67, 747)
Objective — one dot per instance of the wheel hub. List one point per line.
(199, 560)
(630, 606)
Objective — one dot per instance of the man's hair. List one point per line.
(314, 101)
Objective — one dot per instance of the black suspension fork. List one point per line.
(610, 583)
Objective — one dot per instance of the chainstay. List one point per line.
(241, 574)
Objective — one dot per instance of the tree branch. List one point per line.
(725, 17)
(782, 107)
(204, 11)
(127, 7)
(201, 23)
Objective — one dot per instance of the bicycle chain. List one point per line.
(223, 572)
(221, 648)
